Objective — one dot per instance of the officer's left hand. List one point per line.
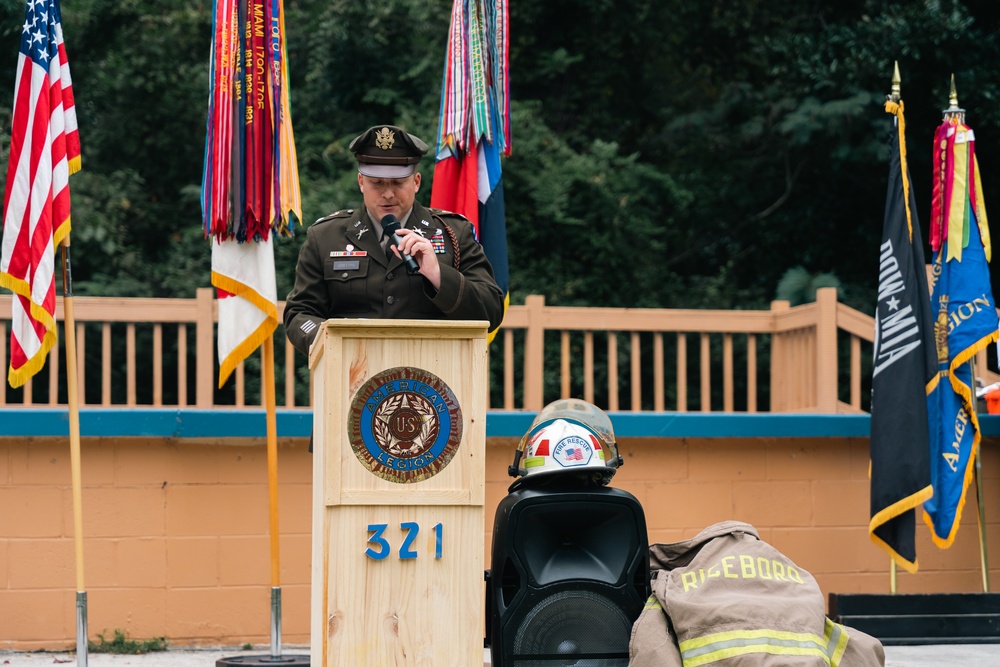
(421, 250)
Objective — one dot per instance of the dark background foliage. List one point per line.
(665, 154)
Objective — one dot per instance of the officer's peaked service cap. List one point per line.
(386, 151)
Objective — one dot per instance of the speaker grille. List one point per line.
(573, 628)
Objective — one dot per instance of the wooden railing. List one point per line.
(785, 359)
(810, 358)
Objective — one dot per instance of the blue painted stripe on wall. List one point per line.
(250, 423)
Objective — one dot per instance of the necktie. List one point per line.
(387, 244)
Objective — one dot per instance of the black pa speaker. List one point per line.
(569, 576)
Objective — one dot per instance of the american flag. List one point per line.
(44, 151)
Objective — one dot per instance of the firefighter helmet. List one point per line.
(568, 436)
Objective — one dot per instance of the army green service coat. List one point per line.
(343, 271)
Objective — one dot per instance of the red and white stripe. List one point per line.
(36, 198)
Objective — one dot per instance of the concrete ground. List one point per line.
(938, 655)
(201, 657)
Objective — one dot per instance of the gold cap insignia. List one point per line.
(384, 138)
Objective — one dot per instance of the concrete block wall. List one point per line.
(176, 537)
(176, 541)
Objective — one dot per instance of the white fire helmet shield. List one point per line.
(562, 444)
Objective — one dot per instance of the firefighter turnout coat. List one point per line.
(727, 598)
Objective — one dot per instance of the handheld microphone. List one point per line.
(390, 225)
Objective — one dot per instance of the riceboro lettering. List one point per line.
(742, 567)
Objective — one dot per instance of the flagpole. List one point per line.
(977, 470)
(894, 95)
(69, 326)
(983, 557)
(272, 483)
(981, 515)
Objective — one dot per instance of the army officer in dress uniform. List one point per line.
(348, 267)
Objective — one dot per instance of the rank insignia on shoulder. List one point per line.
(437, 241)
(441, 211)
(331, 216)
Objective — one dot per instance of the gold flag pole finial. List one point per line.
(954, 111)
(895, 94)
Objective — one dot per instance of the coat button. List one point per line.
(390, 275)
(344, 274)
(390, 300)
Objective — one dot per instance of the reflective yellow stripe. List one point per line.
(780, 635)
(734, 651)
(652, 603)
(836, 642)
(721, 645)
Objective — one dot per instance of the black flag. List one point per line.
(904, 367)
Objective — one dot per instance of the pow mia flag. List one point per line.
(904, 367)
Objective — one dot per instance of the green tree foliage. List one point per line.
(777, 129)
(665, 154)
(798, 286)
(606, 219)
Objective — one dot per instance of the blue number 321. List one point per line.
(379, 548)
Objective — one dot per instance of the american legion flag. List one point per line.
(965, 320)
(474, 127)
(250, 184)
(904, 366)
(44, 151)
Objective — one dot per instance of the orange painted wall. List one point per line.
(176, 531)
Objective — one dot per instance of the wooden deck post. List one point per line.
(779, 383)
(826, 350)
(534, 357)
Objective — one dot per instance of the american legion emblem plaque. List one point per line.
(405, 424)
(398, 530)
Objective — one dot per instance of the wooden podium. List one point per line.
(399, 450)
